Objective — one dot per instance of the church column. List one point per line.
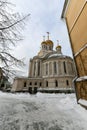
(57, 68)
(30, 68)
(62, 68)
(40, 68)
(44, 70)
(59, 64)
(67, 67)
(34, 68)
(36, 71)
(48, 69)
(52, 69)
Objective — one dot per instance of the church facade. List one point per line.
(49, 69)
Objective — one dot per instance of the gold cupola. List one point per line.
(43, 42)
(49, 42)
(58, 48)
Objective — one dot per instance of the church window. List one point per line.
(34, 68)
(40, 84)
(56, 83)
(35, 83)
(30, 83)
(71, 68)
(46, 47)
(59, 68)
(55, 68)
(46, 83)
(38, 68)
(2, 85)
(25, 84)
(49, 47)
(43, 72)
(46, 69)
(64, 66)
(67, 82)
(50, 68)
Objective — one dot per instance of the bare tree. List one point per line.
(11, 24)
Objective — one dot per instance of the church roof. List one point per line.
(58, 46)
(56, 55)
(49, 42)
(43, 42)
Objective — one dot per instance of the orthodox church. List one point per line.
(49, 69)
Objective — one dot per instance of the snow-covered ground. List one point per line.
(41, 112)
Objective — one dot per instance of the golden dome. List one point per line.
(43, 42)
(49, 42)
(58, 46)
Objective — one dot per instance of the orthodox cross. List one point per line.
(48, 35)
(43, 38)
(58, 42)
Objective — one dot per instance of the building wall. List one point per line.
(49, 75)
(76, 20)
(19, 84)
(73, 11)
(58, 82)
(81, 88)
(46, 67)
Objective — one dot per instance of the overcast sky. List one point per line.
(45, 17)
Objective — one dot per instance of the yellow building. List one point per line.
(75, 14)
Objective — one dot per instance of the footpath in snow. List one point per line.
(41, 112)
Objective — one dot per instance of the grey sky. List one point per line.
(45, 17)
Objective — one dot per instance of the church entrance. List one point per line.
(32, 90)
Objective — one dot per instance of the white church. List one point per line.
(48, 70)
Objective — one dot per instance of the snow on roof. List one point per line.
(81, 78)
(83, 102)
(55, 89)
(55, 55)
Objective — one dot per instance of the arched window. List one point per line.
(34, 68)
(49, 47)
(56, 83)
(50, 68)
(46, 69)
(46, 83)
(46, 47)
(25, 84)
(30, 83)
(64, 64)
(67, 82)
(55, 68)
(71, 66)
(35, 83)
(40, 84)
(38, 68)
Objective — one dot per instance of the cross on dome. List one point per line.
(43, 38)
(48, 35)
(57, 42)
